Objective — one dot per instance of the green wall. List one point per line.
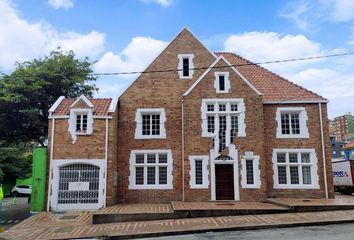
(39, 171)
(27, 181)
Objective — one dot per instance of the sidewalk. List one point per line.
(49, 226)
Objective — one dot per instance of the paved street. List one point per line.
(328, 232)
(13, 214)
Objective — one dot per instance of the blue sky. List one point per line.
(126, 35)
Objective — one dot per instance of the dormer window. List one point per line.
(81, 118)
(81, 123)
(185, 66)
(222, 82)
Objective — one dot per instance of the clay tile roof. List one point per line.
(100, 106)
(272, 86)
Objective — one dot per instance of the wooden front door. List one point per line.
(224, 182)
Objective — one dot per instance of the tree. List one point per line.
(27, 94)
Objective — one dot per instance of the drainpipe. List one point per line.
(323, 152)
(183, 197)
(50, 164)
(105, 170)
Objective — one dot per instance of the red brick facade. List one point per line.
(181, 100)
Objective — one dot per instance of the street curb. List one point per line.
(227, 229)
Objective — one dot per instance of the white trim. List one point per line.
(102, 117)
(132, 165)
(83, 98)
(72, 122)
(323, 153)
(55, 105)
(313, 164)
(211, 67)
(228, 101)
(233, 153)
(57, 163)
(139, 123)
(190, 64)
(106, 158)
(50, 174)
(217, 82)
(256, 171)
(199, 41)
(113, 105)
(67, 116)
(295, 101)
(205, 174)
(304, 132)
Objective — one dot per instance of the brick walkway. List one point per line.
(339, 200)
(227, 205)
(136, 208)
(40, 226)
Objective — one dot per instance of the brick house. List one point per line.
(219, 128)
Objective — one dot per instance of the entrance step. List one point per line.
(180, 210)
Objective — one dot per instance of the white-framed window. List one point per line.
(250, 171)
(295, 169)
(150, 169)
(150, 123)
(199, 172)
(185, 66)
(223, 120)
(80, 122)
(222, 82)
(291, 122)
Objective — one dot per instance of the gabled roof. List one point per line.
(220, 58)
(100, 106)
(273, 87)
(84, 99)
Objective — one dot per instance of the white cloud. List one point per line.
(270, 46)
(135, 57)
(308, 15)
(21, 40)
(61, 3)
(164, 3)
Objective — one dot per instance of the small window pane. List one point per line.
(211, 124)
(84, 122)
(306, 174)
(293, 157)
(78, 123)
(285, 123)
(185, 67)
(234, 107)
(295, 123)
(151, 173)
(139, 175)
(163, 158)
(198, 172)
(151, 158)
(146, 124)
(281, 157)
(155, 125)
(210, 107)
(294, 175)
(249, 172)
(222, 107)
(221, 82)
(305, 157)
(282, 175)
(162, 175)
(139, 158)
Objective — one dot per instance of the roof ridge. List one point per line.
(271, 72)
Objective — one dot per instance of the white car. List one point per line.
(21, 190)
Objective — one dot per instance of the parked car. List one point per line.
(21, 190)
(343, 176)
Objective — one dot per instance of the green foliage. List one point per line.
(27, 94)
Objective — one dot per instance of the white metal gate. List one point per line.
(78, 186)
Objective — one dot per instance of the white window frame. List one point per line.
(256, 171)
(217, 83)
(240, 113)
(313, 165)
(74, 112)
(180, 65)
(139, 123)
(192, 183)
(132, 165)
(304, 133)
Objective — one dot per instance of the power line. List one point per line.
(202, 68)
